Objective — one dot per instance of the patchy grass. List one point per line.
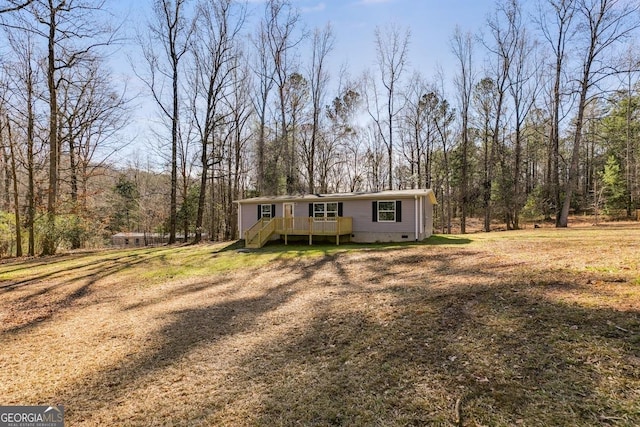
(536, 327)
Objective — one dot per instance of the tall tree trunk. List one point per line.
(173, 203)
(261, 142)
(31, 191)
(49, 241)
(488, 177)
(6, 179)
(204, 155)
(516, 177)
(172, 33)
(608, 22)
(16, 199)
(73, 170)
(555, 143)
(462, 47)
(392, 47)
(390, 137)
(628, 151)
(237, 171)
(496, 145)
(572, 182)
(322, 45)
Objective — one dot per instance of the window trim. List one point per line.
(379, 210)
(268, 213)
(324, 212)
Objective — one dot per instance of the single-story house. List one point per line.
(381, 216)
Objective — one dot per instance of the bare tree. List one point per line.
(483, 99)
(282, 40)
(418, 117)
(556, 24)
(264, 71)
(274, 43)
(443, 118)
(345, 136)
(6, 177)
(238, 102)
(628, 75)
(215, 51)
(12, 5)
(72, 29)
(296, 97)
(91, 112)
(23, 81)
(14, 178)
(523, 87)
(605, 23)
(170, 32)
(413, 119)
(502, 47)
(392, 48)
(322, 45)
(462, 46)
(374, 159)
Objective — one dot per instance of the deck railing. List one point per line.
(315, 226)
(261, 231)
(252, 234)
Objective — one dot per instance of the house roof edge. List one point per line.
(385, 194)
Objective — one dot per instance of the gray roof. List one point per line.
(374, 195)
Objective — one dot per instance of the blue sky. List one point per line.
(432, 23)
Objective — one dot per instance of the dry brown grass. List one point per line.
(535, 328)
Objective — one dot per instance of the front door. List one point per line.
(288, 215)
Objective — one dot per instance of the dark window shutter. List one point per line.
(259, 212)
(273, 211)
(398, 210)
(374, 211)
(310, 210)
(339, 208)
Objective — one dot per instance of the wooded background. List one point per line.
(540, 119)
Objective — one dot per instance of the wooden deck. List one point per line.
(264, 229)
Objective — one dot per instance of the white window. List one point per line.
(265, 211)
(387, 211)
(325, 211)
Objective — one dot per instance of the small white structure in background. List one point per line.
(128, 239)
(382, 216)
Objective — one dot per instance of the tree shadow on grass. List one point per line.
(300, 247)
(393, 352)
(60, 267)
(188, 330)
(47, 294)
(443, 239)
(507, 358)
(231, 246)
(506, 353)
